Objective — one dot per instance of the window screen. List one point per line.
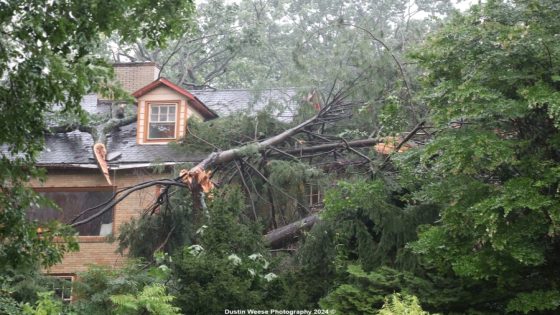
(62, 287)
(71, 203)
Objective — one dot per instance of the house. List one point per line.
(75, 182)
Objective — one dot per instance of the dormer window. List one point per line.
(163, 111)
(162, 121)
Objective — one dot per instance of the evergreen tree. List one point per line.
(492, 87)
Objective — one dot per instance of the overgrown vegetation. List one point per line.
(464, 222)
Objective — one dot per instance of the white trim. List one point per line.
(65, 278)
(142, 165)
(159, 105)
(123, 166)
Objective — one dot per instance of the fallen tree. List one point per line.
(278, 236)
(308, 140)
(199, 181)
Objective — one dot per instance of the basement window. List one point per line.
(314, 194)
(62, 287)
(73, 201)
(162, 121)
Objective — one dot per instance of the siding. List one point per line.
(163, 93)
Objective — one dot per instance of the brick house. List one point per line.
(75, 183)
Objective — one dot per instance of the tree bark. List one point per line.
(99, 134)
(329, 146)
(278, 236)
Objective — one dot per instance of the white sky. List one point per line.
(460, 4)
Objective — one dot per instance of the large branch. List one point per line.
(100, 141)
(99, 134)
(335, 145)
(199, 174)
(221, 157)
(279, 235)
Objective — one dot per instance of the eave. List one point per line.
(197, 104)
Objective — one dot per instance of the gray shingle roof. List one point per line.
(124, 142)
(67, 148)
(227, 102)
(75, 147)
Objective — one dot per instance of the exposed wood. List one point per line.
(100, 141)
(100, 152)
(99, 134)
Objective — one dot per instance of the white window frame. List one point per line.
(64, 298)
(168, 105)
(315, 194)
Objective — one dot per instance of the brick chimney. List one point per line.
(135, 75)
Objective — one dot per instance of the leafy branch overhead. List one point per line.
(48, 61)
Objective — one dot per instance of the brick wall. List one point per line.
(95, 249)
(135, 75)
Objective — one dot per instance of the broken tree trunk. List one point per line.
(221, 157)
(99, 134)
(278, 236)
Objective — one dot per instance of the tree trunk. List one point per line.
(277, 237)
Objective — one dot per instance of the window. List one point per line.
(62, 287)
(162, 119)
(315, 194)
(72, 201)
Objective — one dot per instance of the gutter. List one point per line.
(111, 167)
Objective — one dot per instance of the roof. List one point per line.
(74, 149)
(281, 101)
(195, 102)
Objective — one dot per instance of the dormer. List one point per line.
(163, 111)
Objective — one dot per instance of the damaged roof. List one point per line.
(74, 149)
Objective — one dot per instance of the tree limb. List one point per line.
(277, 236)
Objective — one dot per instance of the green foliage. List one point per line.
(366, 225)
(152, 299)
(288, 185)
(536, 300)
(230, 131)
(45, 305)
(398, 304)
(169, 230)
(9, 305)
(491, 75)
(373, 224)
(142, 283)
(48, 61)
(366, 293)
(392, 116)
(225, 269)
(22, 247)
(210, 283)
(227, 266)
(224, 234)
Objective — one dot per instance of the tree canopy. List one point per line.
(463, 220)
